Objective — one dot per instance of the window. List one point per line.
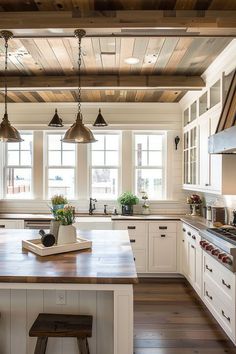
(61, 167)
(18, 176)
(149, 168)
(105, 166)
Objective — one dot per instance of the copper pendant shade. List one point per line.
(56, 121)
(78, 133)
(8, 133)
(100, 121)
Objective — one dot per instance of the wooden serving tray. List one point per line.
(36, 246)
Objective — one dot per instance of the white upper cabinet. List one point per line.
(203, 171)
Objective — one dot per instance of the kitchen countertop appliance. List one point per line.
(220, 243)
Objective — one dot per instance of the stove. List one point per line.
(220, 243)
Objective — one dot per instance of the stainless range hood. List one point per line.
(224, 141)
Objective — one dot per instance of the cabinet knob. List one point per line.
(189, 233)
(184, 230)
(210, 269)
(193, 237)
(192, 246)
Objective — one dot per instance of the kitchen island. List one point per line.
(98, 282)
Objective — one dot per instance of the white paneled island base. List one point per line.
(97, 282)
(110, 305)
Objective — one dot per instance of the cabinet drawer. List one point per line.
(222, 310)
(160, 227)
(223, 278)
(138, 241)
(191, 233)
(134, 228)
(140, 260)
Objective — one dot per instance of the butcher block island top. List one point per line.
(110, 261)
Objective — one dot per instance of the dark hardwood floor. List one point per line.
(169, 318)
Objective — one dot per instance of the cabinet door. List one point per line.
(192, 264)
(11, 224)
(198, 277)
(204, 157)
(185, 257)
(162, 252)
(140, 260)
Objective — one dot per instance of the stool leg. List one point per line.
(41, 345)
(83, 345)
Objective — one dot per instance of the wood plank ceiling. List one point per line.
(157, 55)
(106, 5)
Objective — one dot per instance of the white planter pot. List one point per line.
(66, 234)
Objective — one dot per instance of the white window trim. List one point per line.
(5, 166)
(47, 167)
(163, 167)
(118, 167)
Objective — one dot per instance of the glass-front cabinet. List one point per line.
(190, 156)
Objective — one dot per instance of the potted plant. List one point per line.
(195, 201)
(66, 232)
(127, 200)
(58, 201)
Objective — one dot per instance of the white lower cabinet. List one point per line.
(11, 224)
(162, 252)
(138, 234)
(191, 256)
(219, 293)
(154, 244)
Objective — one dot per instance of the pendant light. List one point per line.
(8, 133)
(100, 121)
(78, 133)
(56, 121)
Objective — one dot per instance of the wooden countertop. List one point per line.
(109, 262)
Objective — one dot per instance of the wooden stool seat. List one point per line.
(57, 325)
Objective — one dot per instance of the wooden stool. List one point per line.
(52, 325)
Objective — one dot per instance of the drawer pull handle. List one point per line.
(134, 259)
(2, 226)
(208, 295)
(131, 227)
(227, 285)
(194, 237)
(192, 246)
(210, 269)
(184, 230)
(132, 240)
(189, 233)
(162, 227)
(163, 235)
(224, 315)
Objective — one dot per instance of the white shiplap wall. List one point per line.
(120, 116)
(19, 309)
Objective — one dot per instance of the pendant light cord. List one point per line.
(5, 73)
(79, 77)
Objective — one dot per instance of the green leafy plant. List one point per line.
(66, 216)
(128, 198)
(58, 199)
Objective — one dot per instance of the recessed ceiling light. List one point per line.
(132, 60)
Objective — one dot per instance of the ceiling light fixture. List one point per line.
(132, 60)
(78, 133)
(100, 121)
(8, 133)
(56, 121)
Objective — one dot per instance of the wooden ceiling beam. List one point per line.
(191, 19)
(175, 82)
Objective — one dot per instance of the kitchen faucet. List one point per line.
(92, 207)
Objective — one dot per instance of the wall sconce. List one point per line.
(177, 140)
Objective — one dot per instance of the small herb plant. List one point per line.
(66, 216)
(58, 199)
(128, 198)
